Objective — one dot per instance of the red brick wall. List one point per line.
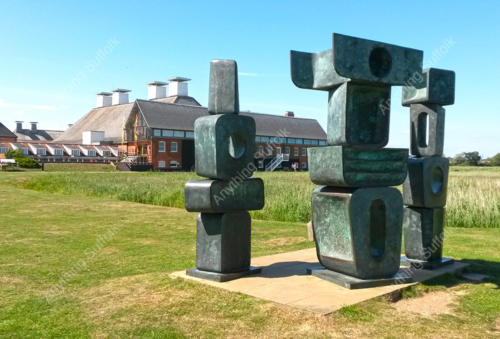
(166, 156)
(2, 139)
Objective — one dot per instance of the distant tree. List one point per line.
(14, 154)
(495, 160)
(467, 158)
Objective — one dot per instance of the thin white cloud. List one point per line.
(4, 103)
(248, 74)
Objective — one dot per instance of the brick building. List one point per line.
(158, 133)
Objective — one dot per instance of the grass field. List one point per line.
(104, 265)
(473, 192)
(94, 266)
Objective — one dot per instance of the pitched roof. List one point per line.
(39, 134)
(179, 99)
(109, 119)
(5, 132)
(181, 117)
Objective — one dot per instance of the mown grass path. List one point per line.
(79, 266)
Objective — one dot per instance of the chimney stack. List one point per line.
(19, 126)
(103, 99)
(33, 126)
(178, 87)
(289, 114)
(157, 90)
(70, 125)
(120, 96)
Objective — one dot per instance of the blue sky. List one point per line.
(57, 54)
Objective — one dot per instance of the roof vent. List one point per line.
(120, 96)
(289, 114)
(157, 90)
(103, 99)
(19, 126)
(178, 87)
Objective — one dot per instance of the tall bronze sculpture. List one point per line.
(357, 218)
(224, 153)
(424, 190)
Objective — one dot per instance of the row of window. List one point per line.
(162, 146)
(293, 141)
(303, 165)
(57, 152)
(296, 150)
(172, 164)
(172, 133)
(259, 139)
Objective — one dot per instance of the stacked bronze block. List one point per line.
(224, 153)
(357, 217)
(424, 190)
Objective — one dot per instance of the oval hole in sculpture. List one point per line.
(380, 62)
(377, 228)
(236, 146)
(437, 179)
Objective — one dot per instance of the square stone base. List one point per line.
(352, 283)
(426, 265)
(221, 277)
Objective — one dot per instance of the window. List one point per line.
(287, 150)
(278, 150)
(58, 152)
(304, 165)
(179, 134)
(304, 151)
(290, 141)
(167, 133)
(161, 164)
(264, 139)
(106, 153)
(322, 143)
(157, 132)
(257, 139)
(261, 151)
(298, 141)
(4, 149)
(173, 147)
(296, 151)
(190, 135)
(75, 152)
(261, 164)
(162, 146)
(174, 164)
(26, 151)
(92, 153)
(41, 151)
(269, 150)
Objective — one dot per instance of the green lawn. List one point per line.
(91, 266)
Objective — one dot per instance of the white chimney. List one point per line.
(178, 87)
(120, 96)
(103, 99)
(156, 90)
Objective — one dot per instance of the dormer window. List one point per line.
(75, 152)
(41, 151)
(58, 152)
(92, 153)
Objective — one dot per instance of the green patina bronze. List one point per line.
(427, 182)
(433, 86)
(348, 167)
(217, 196)
(224, 152)
(358, 231)
(224, 146)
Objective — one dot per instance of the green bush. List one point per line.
(27, 163)
(14, 154)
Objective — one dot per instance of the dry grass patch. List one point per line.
(278, 242)
(428, 305)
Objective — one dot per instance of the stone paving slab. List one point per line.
(284, 280)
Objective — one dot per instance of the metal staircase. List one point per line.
(276, 162)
